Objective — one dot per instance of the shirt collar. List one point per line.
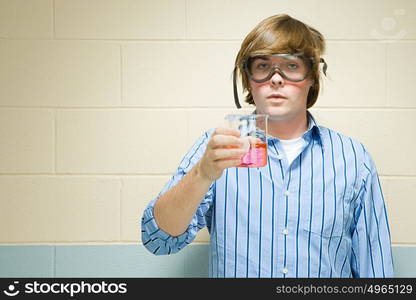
(313, 131)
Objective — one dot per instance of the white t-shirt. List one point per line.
(292, 148)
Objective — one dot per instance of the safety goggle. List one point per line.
(292, 67)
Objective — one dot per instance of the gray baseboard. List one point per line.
(130, 261)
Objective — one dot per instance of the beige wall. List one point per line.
(100, 99)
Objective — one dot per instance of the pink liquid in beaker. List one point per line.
(256, 156)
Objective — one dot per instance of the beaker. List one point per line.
(253, 131)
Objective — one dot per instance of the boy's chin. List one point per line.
(277, 112)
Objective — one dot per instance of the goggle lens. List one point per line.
(291, 67)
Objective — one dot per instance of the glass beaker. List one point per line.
(253, 129)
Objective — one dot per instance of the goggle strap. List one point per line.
(237, 103)
(325, 65)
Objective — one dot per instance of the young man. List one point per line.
(315, 210)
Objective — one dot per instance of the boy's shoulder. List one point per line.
(336, 140)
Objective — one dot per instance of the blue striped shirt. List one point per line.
(321, 216)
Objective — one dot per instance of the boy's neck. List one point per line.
(288, 129)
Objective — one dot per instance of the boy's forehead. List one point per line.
(278, 56)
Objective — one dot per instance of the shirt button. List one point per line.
(280, 156)
(285, 231)
(287, 193)
(285, 271)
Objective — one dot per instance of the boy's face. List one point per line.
(281, 99)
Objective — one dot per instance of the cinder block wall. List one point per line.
(100, 99)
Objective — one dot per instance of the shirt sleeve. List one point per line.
(155, 239)
(371, 241)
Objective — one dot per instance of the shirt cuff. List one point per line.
(154, 231)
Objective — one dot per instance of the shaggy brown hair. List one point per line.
(282, 34)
